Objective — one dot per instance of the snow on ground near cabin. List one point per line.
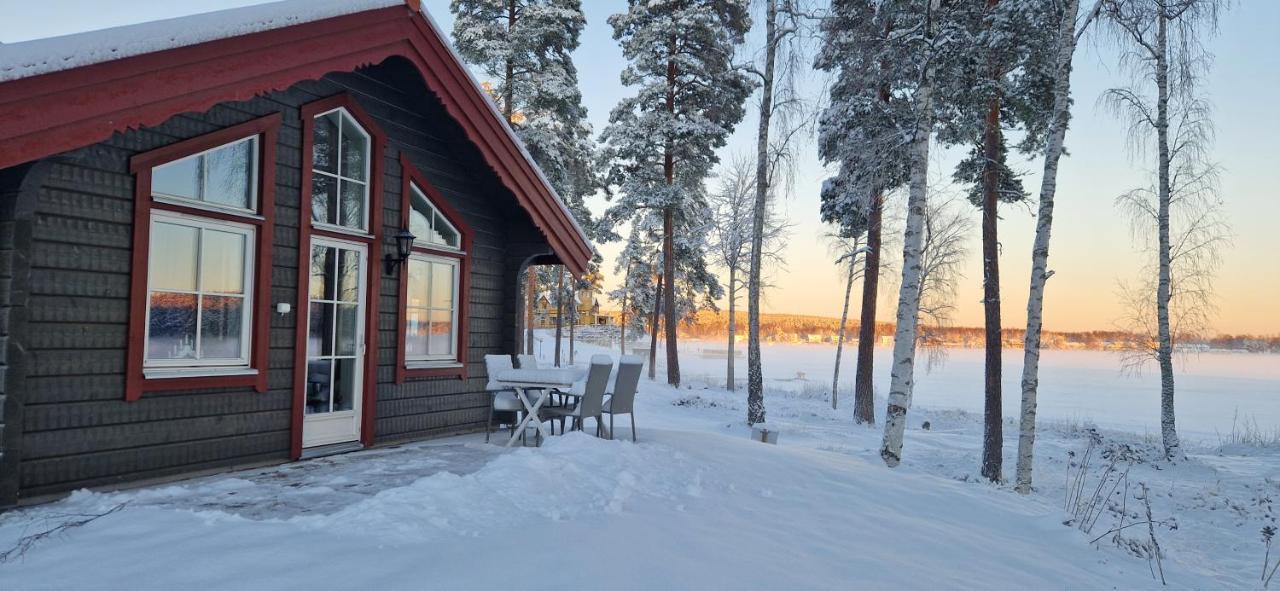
(694, 505)
(42, 56)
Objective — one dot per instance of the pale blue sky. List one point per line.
(1092, 247)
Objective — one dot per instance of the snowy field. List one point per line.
(695, 504)
(1216, 391)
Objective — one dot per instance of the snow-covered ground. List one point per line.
(694, 505)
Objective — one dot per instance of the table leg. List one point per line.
(532, 413)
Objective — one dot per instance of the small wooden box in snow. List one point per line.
(764, 434)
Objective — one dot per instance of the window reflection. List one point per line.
(340, 158)
(431, 309)
(197, 281)
(224, 176)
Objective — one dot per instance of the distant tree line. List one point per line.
(711, 325)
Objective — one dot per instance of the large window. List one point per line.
(340, 162)
(201, 261)
(198, 284)
(431, 330)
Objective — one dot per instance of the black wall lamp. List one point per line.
(404, 247)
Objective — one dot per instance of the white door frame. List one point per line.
(337, 426)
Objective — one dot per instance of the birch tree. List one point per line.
(732, 212)
(919, 51)
(776, 125)
(942, 255)
(662, 141)
(1068, 37)
(1163, 49)
(848, 247)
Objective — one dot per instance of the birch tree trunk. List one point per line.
(1040, 248)
(1164, 352)
(653, 327)
(844, 316)
(993, 414)
(733, 326)
(559, 311)
(573, 322)
(863, 391)
(904, 342)
(755, 374)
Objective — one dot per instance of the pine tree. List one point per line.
(861, 132)
(662, 140)
(525, 48)
(1004, 83)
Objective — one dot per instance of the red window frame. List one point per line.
(307, 229)
(411, 174)
(141, 165)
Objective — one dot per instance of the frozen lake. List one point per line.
(1213, 388)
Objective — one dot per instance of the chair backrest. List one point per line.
(527, 361)
(597, 381)
(493, 365)
(624, 389)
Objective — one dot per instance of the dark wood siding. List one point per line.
(77, 428)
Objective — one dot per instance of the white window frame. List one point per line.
(421, 241)
(255, 159)
(339, 178)
(445, 360)
(197, 367)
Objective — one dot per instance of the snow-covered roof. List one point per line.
(52, 54)
(29, 59)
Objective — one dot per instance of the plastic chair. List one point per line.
(591, 403)
(504, 399)
(622, 400)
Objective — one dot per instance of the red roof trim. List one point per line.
(60, 111)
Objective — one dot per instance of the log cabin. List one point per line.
(253, 236)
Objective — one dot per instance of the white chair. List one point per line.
(504, 399)
(622, 400)
(527, 361)
(591, 403)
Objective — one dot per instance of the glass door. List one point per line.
(335, 342)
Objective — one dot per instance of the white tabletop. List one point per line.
(550, 377)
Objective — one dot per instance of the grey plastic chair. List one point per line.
(591, 403)
(622, 400)
(503, 399)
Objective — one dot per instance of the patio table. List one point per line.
(543, 380)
